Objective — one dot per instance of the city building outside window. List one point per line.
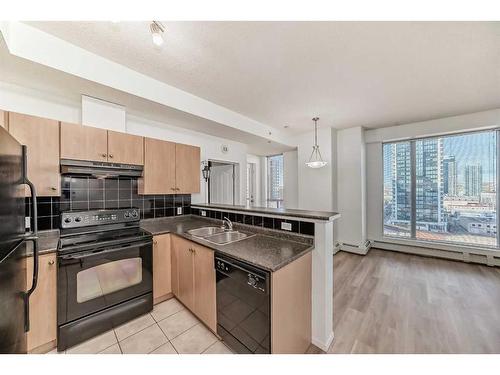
(442, 189)
(275, 181)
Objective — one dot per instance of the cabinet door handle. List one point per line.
(51, 262)
(111, 156)
(104, 155)
(172, 188)
(155, 242)
(53, 188)
(177, 189)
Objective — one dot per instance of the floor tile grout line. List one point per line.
(158, 321)
(187, 329)
(142, 329)
(117, 341)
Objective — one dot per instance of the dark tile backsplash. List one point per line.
(88, 193)
(302, 227)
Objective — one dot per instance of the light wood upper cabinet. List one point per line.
(162, 278)
(159, 167)
(125, 148)
(43, 304)
(41, 136)
(193, 279)
(187, 169)
(81, 142)
(205, 306)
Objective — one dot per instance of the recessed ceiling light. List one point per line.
(286, 126)
(157, 30)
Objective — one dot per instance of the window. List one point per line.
(275, 181)
(442, 189)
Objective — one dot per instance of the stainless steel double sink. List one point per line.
(218, 235)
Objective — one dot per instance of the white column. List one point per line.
(322, 285)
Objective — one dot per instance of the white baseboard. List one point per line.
(356, 249)
(490, 258)
(323, 346)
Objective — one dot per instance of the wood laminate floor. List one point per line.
(389, 302)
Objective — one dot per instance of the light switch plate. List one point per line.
(27, 222)
(203, 213)
(179, 210)
(286, 226)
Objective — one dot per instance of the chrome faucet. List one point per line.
(229, 224)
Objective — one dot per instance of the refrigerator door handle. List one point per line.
(33, 237)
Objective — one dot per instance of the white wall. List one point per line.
(351, 187)
(315, 187)
(37, 103)
(290, 179)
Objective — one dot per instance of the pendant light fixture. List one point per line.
(157, 29)
(316, 160)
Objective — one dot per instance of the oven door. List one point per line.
(90, 281)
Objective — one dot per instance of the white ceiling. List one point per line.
(370, 74)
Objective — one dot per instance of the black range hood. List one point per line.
(99, 169)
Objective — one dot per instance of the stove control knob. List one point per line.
(67, 220)
(127, 215)
(78, 219)
(135, 213)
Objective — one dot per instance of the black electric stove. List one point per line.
(105, 267)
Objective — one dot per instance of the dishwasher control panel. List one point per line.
(243, 273)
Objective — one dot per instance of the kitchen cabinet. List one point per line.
(4, 119)
(187, 169)
(81, 142)
(41, 136)
(291, 305)
(205, 305)
(162, 278)
(43, 305)
(125, 148)
(159, 167)
(193, 281)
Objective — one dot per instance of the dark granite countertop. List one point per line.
(305, 214)
(270, 252)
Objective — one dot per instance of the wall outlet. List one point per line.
(203, 213)
(27, 222)
(179, 210)
(286, 226)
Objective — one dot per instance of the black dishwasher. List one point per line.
(243, 306)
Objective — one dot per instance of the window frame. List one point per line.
(279, 202)
(412, 141)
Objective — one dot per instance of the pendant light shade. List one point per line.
(316, 160)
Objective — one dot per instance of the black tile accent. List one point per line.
(268, 222)
(257, 221)
(306, 228)
(83, 193)
(248, 219)
(195, 211)
(238, 218)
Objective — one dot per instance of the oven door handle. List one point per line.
(90, 254)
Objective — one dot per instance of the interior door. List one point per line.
(221, 183)
(41, 136)
(80, 142)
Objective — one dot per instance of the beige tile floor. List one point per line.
(169, 329)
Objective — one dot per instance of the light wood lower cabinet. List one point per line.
(162, 274)
(41, 136)
(43, 305)
(291, 303)
(193, 280)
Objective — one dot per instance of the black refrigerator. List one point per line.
(16, 246)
